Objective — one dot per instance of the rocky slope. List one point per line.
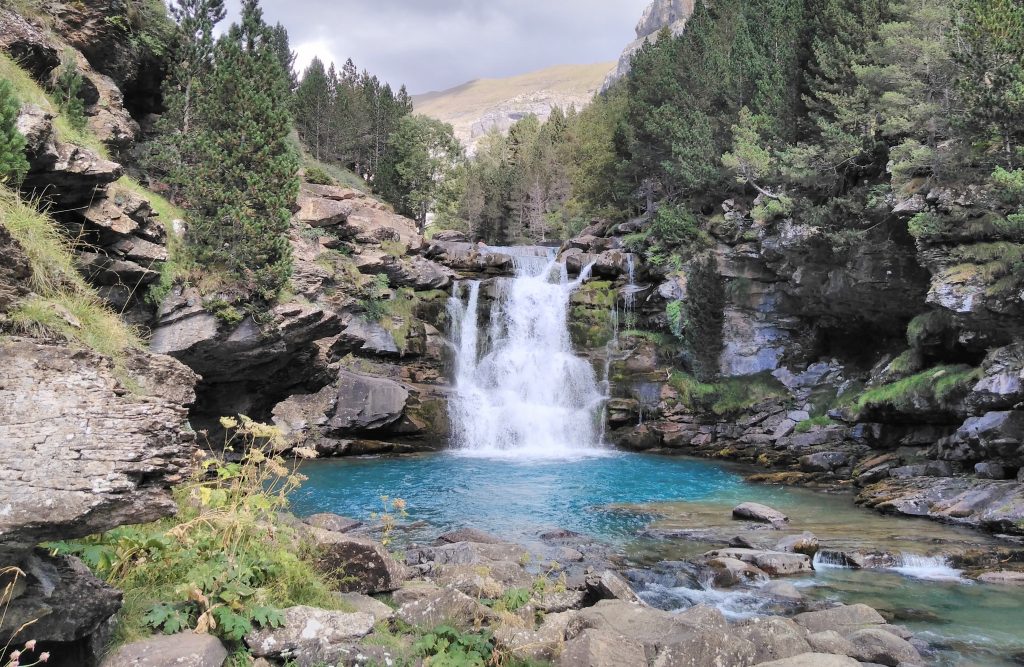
(889, 365)
(478, 107)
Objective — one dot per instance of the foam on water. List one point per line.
(520, 392)
(931, 568)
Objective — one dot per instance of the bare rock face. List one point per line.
(14, 272)
(311, 636)
(82, 454)
(27, 44)
(660, 14)
(367, 403)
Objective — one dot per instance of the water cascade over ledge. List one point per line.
(519, 389)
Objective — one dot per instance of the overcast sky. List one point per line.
(437, 44)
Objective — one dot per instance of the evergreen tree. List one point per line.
(243, 183)
(313, 105)
(992, 75)
(13, 164)
(283, 49)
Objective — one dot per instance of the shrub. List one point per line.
(773, 209)
(925, 225)
(676, 227)
(807, 424)
(68, 88)
(1009, 185)
(940, 383)
(318, 176)
(13, 164)
(446, 645)
(727, 397)
(226, 563)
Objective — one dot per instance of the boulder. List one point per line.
(1002, 385)
(542, 644)
(366, 339)
(602, 648)
(783, 590)
(416, 272)
(185, 649)
(824, 461)
(760, 513)
(805, 543)
(610, 585)
(1004, 577)
(469, 535)
(298, 414)
(844, 619)
(730, 572)
(774, 638)
(773, 562)
(28, 45)
(445, 607)
(64, 603)
(883, 648)
(366, 605)
(993, 435)
(82, 453)
(332, 522)
(703, 648)
(991, 470)
(813, 660)
(463, 553)
(829, 641)
(644, 624)
(310, 636)
(366, 403)
(356, 563)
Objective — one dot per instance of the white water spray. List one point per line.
(521, 392)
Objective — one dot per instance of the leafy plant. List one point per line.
(392, 509)
(226, 563)
(68, 90)
(446, 646)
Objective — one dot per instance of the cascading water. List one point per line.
(520, 391)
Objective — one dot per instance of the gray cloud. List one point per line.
(436, 44)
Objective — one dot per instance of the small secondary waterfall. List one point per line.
(520, 390)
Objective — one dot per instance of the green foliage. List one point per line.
(674, 314)
(927, 225)
(446, 646)
(422, 153)
(1009, 185)
(62, 303)
(991, 74)
(513, 600)
(808, 424)
(727, 397)
(318, 176)
(927, 325)
(240, 181)
(226, 563)
(676, 227)
(772, 209)
(941, 383)
(68, 88)
(13, 164)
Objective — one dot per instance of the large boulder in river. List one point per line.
(760, 513)
(880, 647)
(366, 403)
(773, 562)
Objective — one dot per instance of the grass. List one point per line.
(337, 174)
(729, 396)
(63, 304)
(940, 383)
(29, 92)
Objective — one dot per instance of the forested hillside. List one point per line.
(818, 108)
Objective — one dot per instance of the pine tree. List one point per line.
(13, 164)
(283, 49)
(313, 105)
(244, 182)
(992, 78)
(422, 153)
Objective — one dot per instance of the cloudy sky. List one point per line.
(437, 44)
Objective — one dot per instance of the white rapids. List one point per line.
(520, 392)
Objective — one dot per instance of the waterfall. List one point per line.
(520, 391)
(933, 568)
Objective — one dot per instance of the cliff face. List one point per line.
(889, 363)
(660, 14)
